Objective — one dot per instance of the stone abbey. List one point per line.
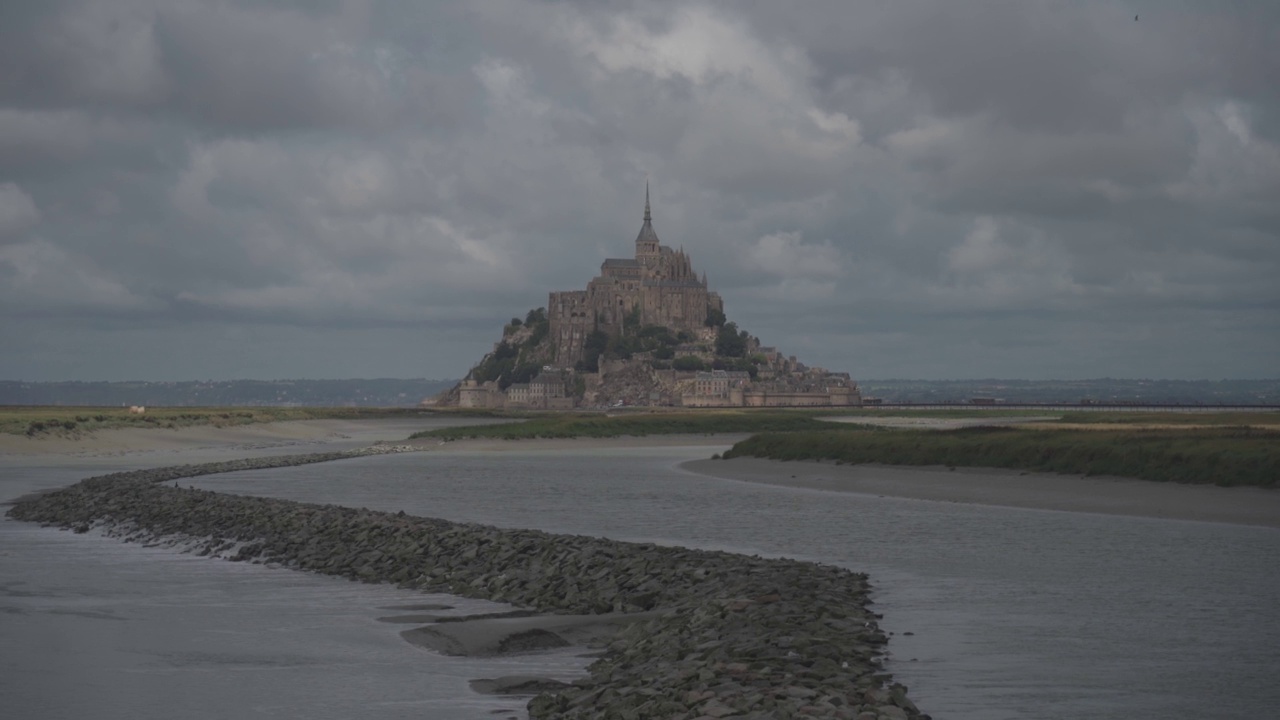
(656, 287)
(645, 331)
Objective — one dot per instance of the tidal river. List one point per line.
(996, 612)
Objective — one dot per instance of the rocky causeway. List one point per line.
(678, 633)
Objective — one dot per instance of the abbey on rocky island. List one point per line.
(656, 287)
(646, 331)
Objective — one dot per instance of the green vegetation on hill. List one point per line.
(1221, 455)
(517, 358)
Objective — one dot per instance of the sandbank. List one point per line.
(254, 436)
(1012, 488)
(592, 443)
(911, 422)
(505, 635)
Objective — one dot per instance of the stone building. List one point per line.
(474, 394)
(810, 388)
(718, 388)
(518, 394)
(656, 287)
(547, 391)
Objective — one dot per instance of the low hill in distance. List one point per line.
(647, 331)
(382, 392)
(388, 392)
(1098, 390)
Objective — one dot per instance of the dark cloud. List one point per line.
(363, 187)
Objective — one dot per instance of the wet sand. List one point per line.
(1012, 488)
(127, 441)
(578, 444)
(505, 635)
(982, 486)
(986, 486)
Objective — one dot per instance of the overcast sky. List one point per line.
(286, 189)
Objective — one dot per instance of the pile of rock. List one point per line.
(741, 636)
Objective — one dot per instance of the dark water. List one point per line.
(96, 628)
(1014, 613)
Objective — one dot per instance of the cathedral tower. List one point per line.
(647, 241)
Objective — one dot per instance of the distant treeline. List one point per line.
(226, 393)
(1102, 391)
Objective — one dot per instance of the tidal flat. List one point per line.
(983, 599)
(698, 632)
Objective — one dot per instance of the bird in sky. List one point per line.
(1135, 18)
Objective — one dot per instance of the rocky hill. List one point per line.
(639, 365)
(640, 334)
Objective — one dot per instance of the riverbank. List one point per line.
(1011, 488)
(987, 486)
(246, 439)
(980, 485)
(706, 633)
(577, 425)
(1220, 455)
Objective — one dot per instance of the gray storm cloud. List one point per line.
(194, 189)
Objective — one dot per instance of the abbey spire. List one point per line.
(647, 241)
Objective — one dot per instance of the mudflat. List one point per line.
(124, 441)
(1012, 488)
(986, 486)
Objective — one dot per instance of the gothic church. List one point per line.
(657, 287)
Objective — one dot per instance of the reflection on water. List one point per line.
(95, 628)
(1013, 613)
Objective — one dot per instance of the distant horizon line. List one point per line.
(859, 380)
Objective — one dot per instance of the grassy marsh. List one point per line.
(1224, 455)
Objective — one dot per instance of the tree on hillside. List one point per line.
(730, 342)
(623, 347)
(537, 321)
(521, 373)
(688, 363)
(592, 347)
(631, 320)
(715, 317)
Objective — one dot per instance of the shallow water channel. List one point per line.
(997, 612)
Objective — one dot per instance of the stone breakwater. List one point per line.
(732, 635)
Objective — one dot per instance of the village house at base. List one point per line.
(656, 288)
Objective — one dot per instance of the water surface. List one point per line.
(1014, 613)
